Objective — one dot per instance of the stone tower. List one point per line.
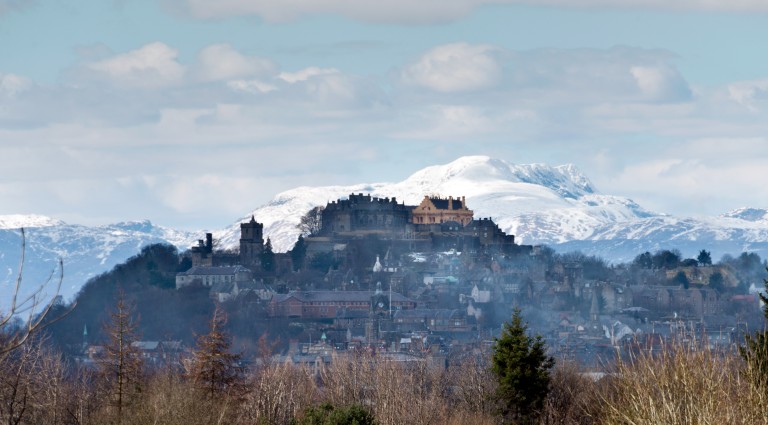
(251, 243)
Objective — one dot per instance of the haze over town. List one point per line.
(191, 116)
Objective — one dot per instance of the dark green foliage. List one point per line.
(747, 267)
(148, 281)
(643, 261)
(298, 253)
(268, 257)
(666, 259)
(522, 367)
(681, 279)
(327, 414)
(663, 259)
(322, 261)
(689, 262)
(592, 267)
(704, 258)
(717, 282)
(755, 350)
(184, 265)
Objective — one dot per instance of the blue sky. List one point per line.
(192, 112)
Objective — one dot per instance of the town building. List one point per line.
(329, 304)
(210, 276)
(436, 210)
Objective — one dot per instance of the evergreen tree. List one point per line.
(121, 369)
(327, 414)
(682, 279)
(717, 282)
(755, 349)
(704, 258)
(522, 367)
(298, 253)
(268, 257)
(643, 261)
(666, 259)
(214, 368)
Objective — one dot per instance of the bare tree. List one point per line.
(17, 386)
(473, 385)
(279, 393)
(122, 366)
(214, 368)
(34, 306)
(312, 222)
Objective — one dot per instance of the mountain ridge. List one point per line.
(538, 203)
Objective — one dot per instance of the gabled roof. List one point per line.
(145, 345)
(425, 313)
(337, 296)
(214, 271)
(223, 287)
(442, 204)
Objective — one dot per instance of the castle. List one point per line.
(436, 223)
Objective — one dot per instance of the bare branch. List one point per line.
(31, 304)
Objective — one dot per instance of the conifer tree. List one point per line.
(214, 368)
(121, 369)
(755, 350)
(268, 257)
(522, 367)
(704, 258)
(299, 253)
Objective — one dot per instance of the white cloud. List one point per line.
(706, 176)
(448, 123)
(548, 105)
(151, 66)
(220, 62)
(457, 67)
(749, 93)
(306, 73)
(402, 11)
(426, 11)
(660, 83)
(251, 86)
(12, 84)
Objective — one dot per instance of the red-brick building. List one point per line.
(325, 304)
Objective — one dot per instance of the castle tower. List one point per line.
(251, 242)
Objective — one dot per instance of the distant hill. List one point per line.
(86, 251)
(540, 204)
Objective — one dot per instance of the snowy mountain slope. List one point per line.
(86, 251)
(726, 234)
(538, 203)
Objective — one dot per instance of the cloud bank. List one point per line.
(223, 131)
(427, 11)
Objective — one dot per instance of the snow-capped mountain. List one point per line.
(538, 203)
(85, 251)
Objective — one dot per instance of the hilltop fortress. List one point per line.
(435, 224)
